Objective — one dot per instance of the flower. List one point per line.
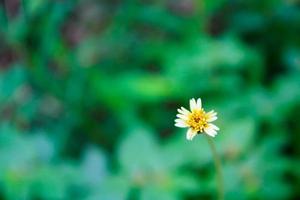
(197, 120)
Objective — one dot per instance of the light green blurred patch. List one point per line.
(150, 167)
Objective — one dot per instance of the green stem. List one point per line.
(218, 166)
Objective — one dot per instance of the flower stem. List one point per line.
(218, 166)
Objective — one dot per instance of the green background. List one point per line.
(89, 92)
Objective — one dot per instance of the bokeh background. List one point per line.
(89, 91)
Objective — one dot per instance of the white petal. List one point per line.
(184, 117)
(211, 132)
(179, 121)
(181, 125)
(180, 111)
(211, 119)
(183, 111)
(213, 126)
(211, 113)
(190, 134)
(199, 103)
(193, 104)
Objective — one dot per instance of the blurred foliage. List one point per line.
(89, 91)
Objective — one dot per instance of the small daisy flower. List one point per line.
(196, 120)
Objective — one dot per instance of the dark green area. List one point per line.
(89, 92)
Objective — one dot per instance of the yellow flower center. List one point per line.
(197, 120)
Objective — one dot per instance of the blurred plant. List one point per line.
(87, 89)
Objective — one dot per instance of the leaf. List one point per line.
(94, 166)
(139, 153)
(11, 81)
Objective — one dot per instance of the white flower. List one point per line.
(196, 120)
